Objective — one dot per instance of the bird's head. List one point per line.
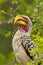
(24, 23)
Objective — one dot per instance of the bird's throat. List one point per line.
(25, 28)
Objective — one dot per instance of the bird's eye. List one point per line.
(26, 19)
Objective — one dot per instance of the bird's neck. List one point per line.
(24, 30)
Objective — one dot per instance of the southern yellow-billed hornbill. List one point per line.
(21, 42)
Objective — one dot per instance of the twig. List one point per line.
(16, 9)
(4, 22)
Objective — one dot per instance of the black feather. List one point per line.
(27, 45)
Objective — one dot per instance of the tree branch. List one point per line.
(4, 22)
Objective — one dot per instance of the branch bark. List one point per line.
(3, 22)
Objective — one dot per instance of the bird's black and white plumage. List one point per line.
(21, 43)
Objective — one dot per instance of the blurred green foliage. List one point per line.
(8, 10)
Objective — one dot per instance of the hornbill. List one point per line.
(21, 43)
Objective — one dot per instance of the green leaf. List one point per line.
(29, 63)
(8, 34)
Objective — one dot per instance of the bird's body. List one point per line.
(21, 42)
(19, 51)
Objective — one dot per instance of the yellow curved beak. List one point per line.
(19, 20)
(21, 23)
